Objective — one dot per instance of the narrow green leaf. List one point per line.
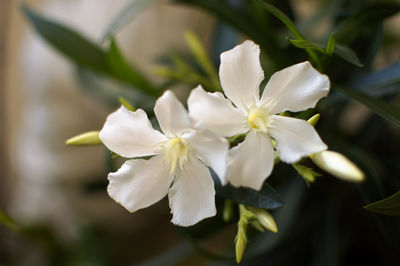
(125, 15)
(330, 46)
(381, 108)
(388, 206)
(304, 44)
(347, 54)
(124, 71)
(7, 221)
(202, 58)
(68, 42)
(266, 198)
(291, 27)
(127, 104)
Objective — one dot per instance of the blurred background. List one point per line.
(57, 196)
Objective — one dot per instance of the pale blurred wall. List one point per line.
(45, 106)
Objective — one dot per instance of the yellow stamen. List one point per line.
(258, 119)
(175, 152)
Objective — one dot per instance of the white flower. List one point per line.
(295, 88)
(180, 158)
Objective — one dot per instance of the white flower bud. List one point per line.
(338, 165)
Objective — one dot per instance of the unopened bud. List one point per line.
(241, 240)
(313, 120)
(228, 210)
(307, 173)
(87, 138)
(338, 165)
(265, 219)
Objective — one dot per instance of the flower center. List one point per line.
(175, 152)
(258, 119)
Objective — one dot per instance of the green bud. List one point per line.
(241, 240)
(265, 219)
(228, 210)
(87, 138)
(256, 224)
(338, 165)
(313, 120)
(307, 173)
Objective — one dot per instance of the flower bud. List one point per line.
(87, 138)
(228, 211)
(240, 241)
(313, 120)
(338, 165)
(265, 219)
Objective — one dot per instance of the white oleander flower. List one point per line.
(178, 167)
(295, 88)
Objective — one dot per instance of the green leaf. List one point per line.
(330, 46)
(202, 58)
(347, 54)
(340, 50)
(266, 198)
(68, 42)
(388, 206)
(7, 221)
(122, 70)
(381, 108)
(291, 27)
(304, 44)
(350, 28)
(380, 83)
(125, 15)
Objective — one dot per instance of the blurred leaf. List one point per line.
(351, 27)
(87, 54)
(202, 58)
(266, 198)
(388, 206)
(68, 42)
(347, 54)
(382, 82)
(126, 104)
(7, 221)
(125, 15)
(242, 21)
(122, 70)
(385, 110)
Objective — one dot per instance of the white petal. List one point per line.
(140, 183)
(240, 73)
(171, 114)
(251, 162)
(130, 134)
(192, 195)
(212, 150)
(216, 113)
(295, 138)
(295, 88)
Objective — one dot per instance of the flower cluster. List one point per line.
(195, 140)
